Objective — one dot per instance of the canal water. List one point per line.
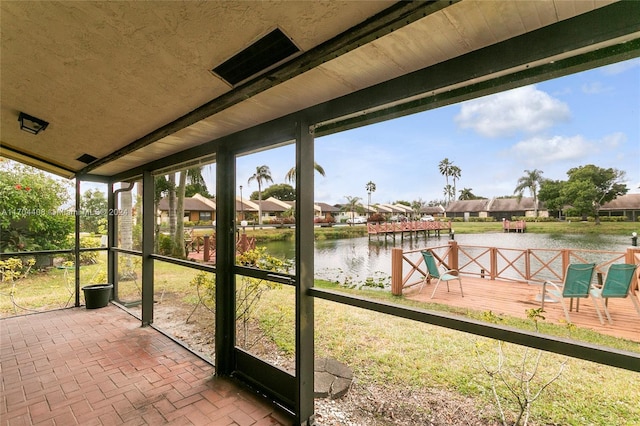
(360, 259)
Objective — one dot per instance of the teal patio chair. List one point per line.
(434, 272)
(577, 284)
(616, 285)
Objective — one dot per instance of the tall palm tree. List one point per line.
(291, 174)
(262, 174)
(531, 181)
(445, 169)
(351, 205)
(371, 187)
(455, 173)
(172, 205)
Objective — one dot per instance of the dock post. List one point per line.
(205, 255)
(396, 271)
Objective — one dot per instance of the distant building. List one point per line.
(625, 205)
(506, 208)
(468, 208)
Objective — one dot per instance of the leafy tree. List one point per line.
(436, 203)
(589, 187)
(279, 191)
(93, 205)
(34, 214)
(417, 206)
(531, 181)
(262, 174)
(551, 194)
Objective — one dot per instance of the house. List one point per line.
(507, 208)
(468, 208)
(625, 205)
(196, 209)
(322, 210)
(435, 211)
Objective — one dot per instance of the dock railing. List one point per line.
(508, 264)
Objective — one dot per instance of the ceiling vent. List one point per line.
(259, 57)
(86, 158)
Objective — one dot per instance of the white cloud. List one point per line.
(614, 140)
(538, 151)
(524, 109)
(595, 88)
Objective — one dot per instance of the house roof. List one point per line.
(127, 84)
(512, 204)
(623, 202)
(190, 204)
(471, 206)
(327, 208)
(433, 210)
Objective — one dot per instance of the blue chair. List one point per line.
(577, 284)
(616, 285)
(434, 272)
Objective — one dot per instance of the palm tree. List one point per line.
(448, 193)
(531, 181)
(455, 173)
(172, 206)
(352, 205)
(466, 194)
(291, 174)
(262, 174)
(445, 169)
(371, 187)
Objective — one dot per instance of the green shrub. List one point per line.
(166, 245)
(86, 257)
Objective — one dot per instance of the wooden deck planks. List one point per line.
(514, 298)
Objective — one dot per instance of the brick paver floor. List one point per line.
(99, 367)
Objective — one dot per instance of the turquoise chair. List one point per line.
(434, 272)
(616, 285)
(577, 284)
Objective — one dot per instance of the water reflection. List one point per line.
(356, 259)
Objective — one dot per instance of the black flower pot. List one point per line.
(97, 295)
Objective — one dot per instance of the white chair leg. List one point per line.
(460, 282)
(606, 311)
(566, 313)
(424, 281)
(435, 288)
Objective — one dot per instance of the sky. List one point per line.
(588, 118)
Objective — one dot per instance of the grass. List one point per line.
(400, 353)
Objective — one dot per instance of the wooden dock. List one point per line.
(514, 226)
(412, 228)
(513, 298)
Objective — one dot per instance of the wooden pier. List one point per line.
(413, 228)
(514, 225)
(509, 282)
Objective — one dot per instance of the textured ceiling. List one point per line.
(130, 82)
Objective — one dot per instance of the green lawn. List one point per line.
(400, 353)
